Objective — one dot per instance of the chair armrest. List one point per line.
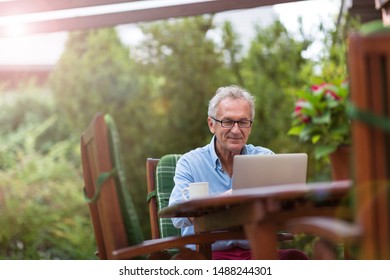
(155, 245)
(332, 229)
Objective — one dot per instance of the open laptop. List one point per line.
(267, 170)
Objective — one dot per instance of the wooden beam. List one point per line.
(134, 16)
(19, 7)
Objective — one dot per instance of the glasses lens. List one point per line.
(227, 124)
(244, 124)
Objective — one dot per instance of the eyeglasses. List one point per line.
(230, 123)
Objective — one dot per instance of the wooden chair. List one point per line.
(115, 222)
(159, 179)
(151, 165)
(369, 63)
(369, 230)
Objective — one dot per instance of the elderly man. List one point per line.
(230, 116)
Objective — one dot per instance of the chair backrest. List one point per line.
(369, 70)
(151, 164)
(160, 173)
(165, 172)
(112, 211)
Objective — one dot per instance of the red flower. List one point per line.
(317, 87)
(332, 94)
(298, 111)
(327, 91)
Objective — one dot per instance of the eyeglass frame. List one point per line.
(234, 123)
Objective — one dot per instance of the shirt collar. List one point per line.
(213, 154)
(244, 151)
(214, 157)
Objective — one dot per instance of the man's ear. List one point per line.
(211, 124)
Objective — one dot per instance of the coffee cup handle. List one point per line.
(185, 192)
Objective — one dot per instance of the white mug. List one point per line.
(196, 190)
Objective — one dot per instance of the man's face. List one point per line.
(231, 140)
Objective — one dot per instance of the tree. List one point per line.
(272, 68)
(234, 51)
(94, 74)
(189, 68)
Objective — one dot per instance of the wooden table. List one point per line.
(262, 211)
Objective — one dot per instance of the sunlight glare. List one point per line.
(16, 29)
(47, 48)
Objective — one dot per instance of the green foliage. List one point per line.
(271, 82)
(320, 117)
(43, 213)
(271, 70)
(320, 112)
(233, 52)
(189, 71)
(96, 74)
(93, 75)
(307, 243)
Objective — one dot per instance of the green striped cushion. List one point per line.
(165, 171)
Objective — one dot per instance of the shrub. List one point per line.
(43, 213)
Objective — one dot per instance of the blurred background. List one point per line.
(155, 78)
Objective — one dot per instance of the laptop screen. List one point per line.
(267, 170)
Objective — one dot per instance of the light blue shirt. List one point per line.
(203, 165)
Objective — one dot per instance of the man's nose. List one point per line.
(235, 128)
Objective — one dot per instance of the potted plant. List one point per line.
(320, 117)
